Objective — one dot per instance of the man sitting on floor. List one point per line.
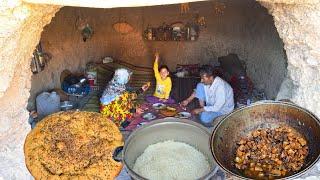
(215, 96)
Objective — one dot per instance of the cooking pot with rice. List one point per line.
(169, 129)
(225, 138)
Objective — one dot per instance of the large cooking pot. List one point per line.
(167, 129)
(267, 114)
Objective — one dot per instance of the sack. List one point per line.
(192, 69)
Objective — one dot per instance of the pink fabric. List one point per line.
(153, 99)
(134, 123)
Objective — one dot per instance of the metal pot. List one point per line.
(166, 129)
(264, 115)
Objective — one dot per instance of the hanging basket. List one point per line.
(123, 27)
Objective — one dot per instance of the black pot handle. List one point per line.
(117, 154)
(212, 173)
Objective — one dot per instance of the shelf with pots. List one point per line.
(175, 32)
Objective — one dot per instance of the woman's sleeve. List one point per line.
(139, 91)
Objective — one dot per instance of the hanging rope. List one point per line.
(218, 8)
(184, 8)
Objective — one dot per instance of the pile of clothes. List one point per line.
(234, 71)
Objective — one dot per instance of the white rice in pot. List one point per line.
(171, 160)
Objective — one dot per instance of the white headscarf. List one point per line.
(116, 86)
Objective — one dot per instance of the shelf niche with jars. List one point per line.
(174, 32)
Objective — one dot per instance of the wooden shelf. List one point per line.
(177, 31)
(172, 40)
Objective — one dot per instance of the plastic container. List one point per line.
(47, 103)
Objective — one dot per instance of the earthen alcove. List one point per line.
(24, 24)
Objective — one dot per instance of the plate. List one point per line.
(178, 24)
(148, 116)
(171, 108)
(167, 112)
(184, 115)
(141, 124)
(159, 106)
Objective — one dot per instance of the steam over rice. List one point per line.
(171, 160)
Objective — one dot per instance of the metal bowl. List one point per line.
(149, 116)
(270, 114)
(66, 105)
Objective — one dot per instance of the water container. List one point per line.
(47, 103)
